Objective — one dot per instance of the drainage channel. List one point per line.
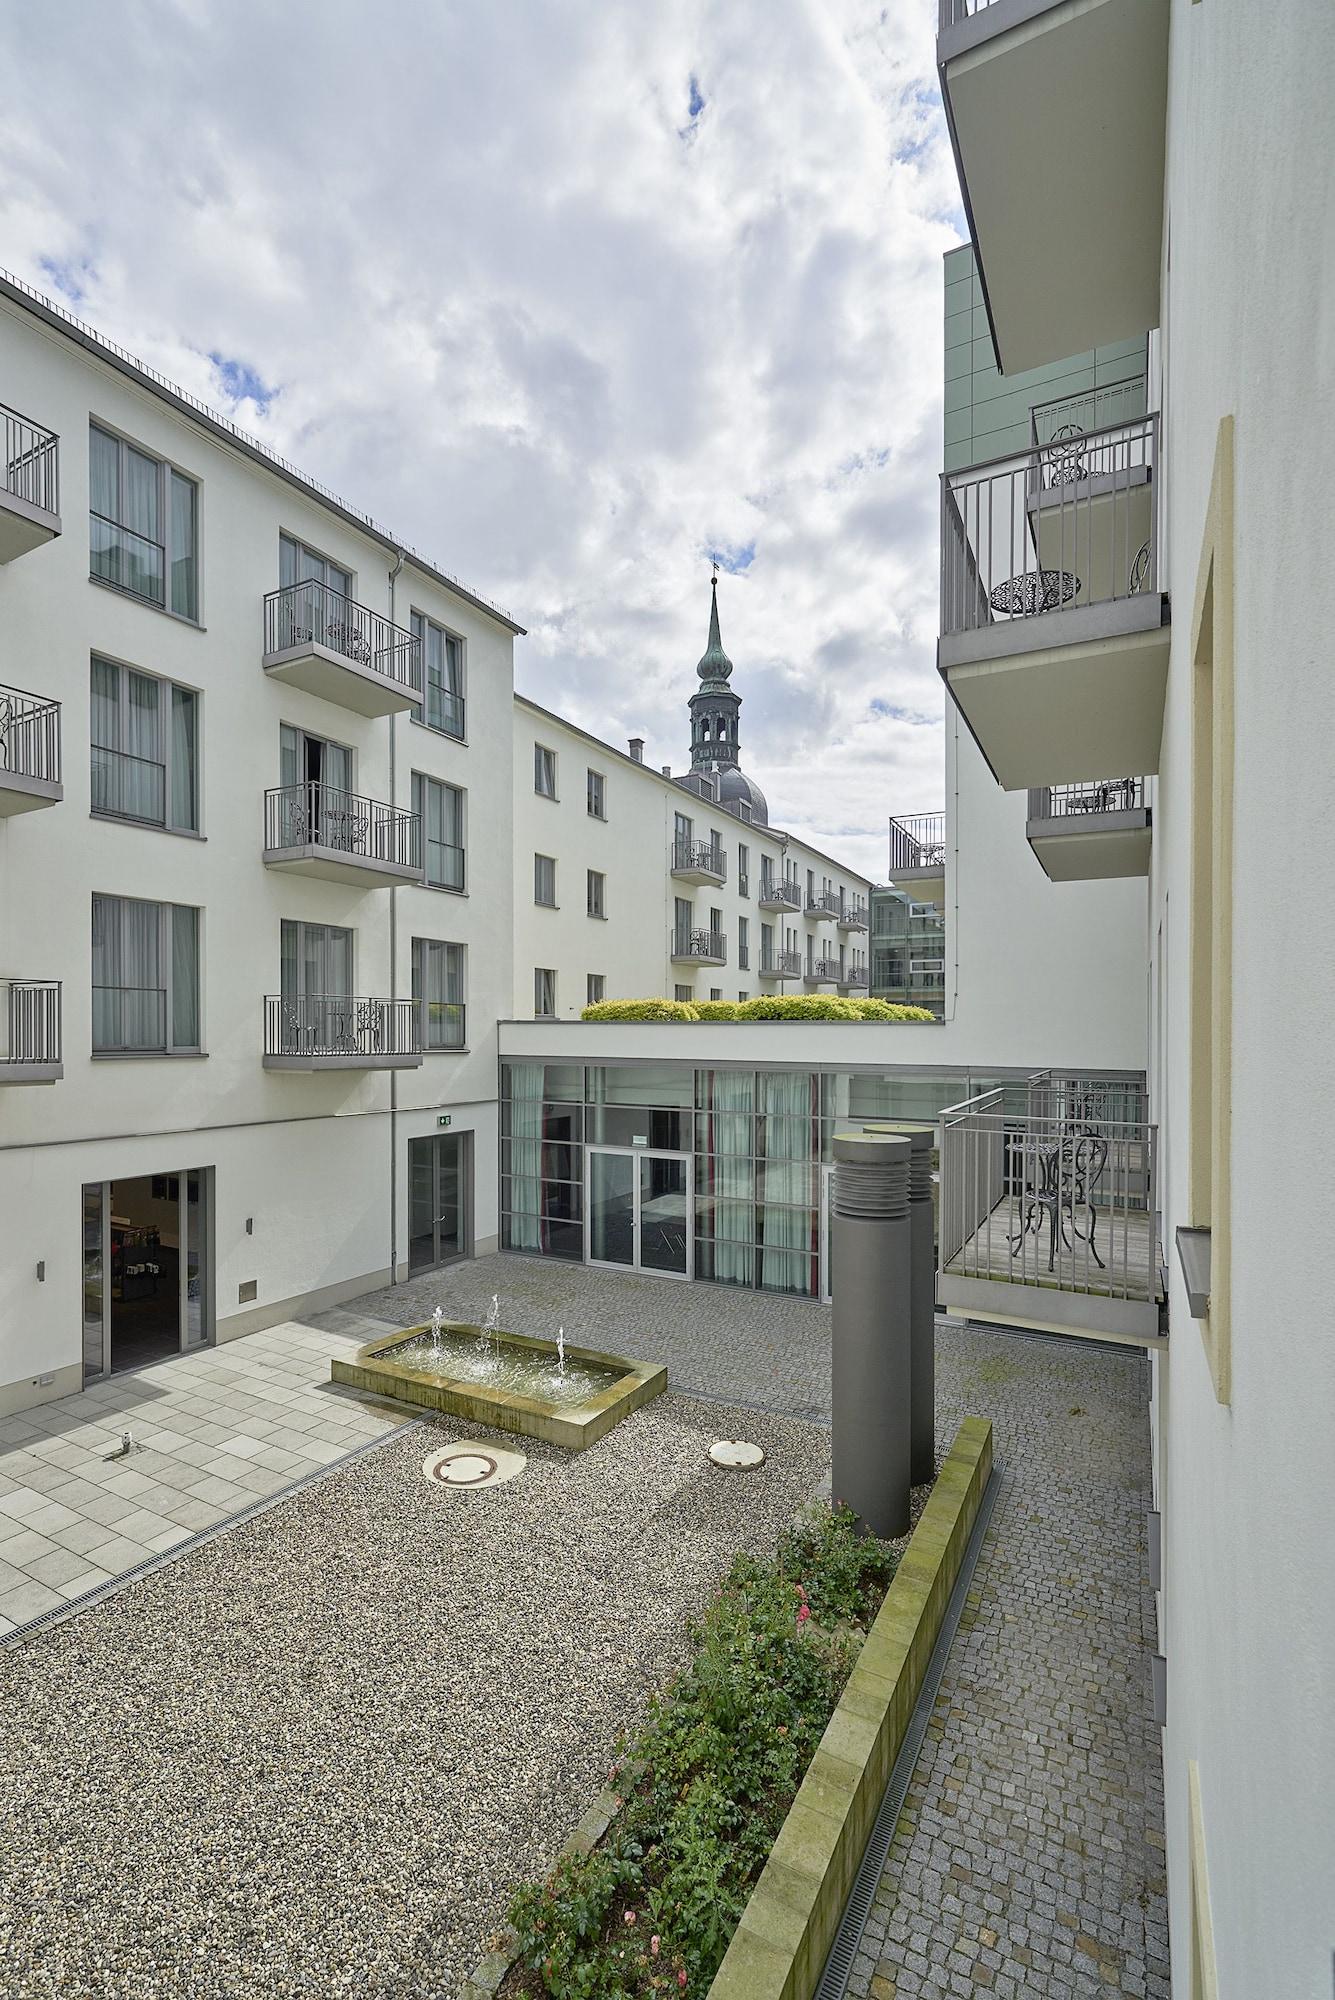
(196, 1541)
(838, 1966)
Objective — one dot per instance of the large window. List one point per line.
(597, 795)
(316, 961)
(597, 893)
(145, 977)
(144, 736)
(441, 809)
(544, 991)
(143, 524)
(544, 880)
(438, 992)
(595, 988)
(544, 771)
(299, 564)
(443, 669)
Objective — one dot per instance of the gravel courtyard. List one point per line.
(311, 1757)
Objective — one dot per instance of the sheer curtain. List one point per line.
(142, 780)
(731, 1103)
(184, 802)
(185, 977)
(525, 1155)
(129, 999)
(790, 1102)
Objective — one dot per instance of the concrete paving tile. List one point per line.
(242, 1447)
(45, 1520)
(127, 1484)
(28, 1600)
(108, 1508)
(26, 1547)
(143, 1526)
(116, 1554)
(84, 1535)
(170, 1538)
(87, 1579)
(24, 1501)
(57, 1568)
(198, 1514)
(224, 1493)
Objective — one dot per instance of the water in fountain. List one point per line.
(477, 1354)
(560, 1350)
(436, 1318)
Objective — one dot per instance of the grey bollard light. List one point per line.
(871, 1367)
(922, 1301)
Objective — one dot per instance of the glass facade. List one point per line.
(753, 1146)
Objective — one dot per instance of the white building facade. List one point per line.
(255, 865)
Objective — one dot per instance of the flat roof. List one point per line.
(226, 432)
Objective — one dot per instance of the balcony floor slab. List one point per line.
(336, 864)
(19, 794)
(338, 678)
(23, 527)
(316, 1065)
(30, 1072)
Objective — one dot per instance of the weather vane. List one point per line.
(714, 560)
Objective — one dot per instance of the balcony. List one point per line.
(918, 855)
(1054, 631)
(697, 947)
(781, 965)
(822, 903)
(29, 485)
(30, 1023)
(778, 894)
(699, 861)
(1047, 1216)
(314, 829)
(333, 647)
(29, 752)
(852, 917)
(822, 972)
(1056, 111)
(329, 1031)
(1090, 832)
(853, 979)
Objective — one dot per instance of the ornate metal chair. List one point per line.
(1069, 1172)
(6, 714)
(1140, 570)
(1064, 455)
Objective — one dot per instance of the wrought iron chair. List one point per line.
(1140, 570)
(1064, 455)
(1069, 1172)
(6, 714)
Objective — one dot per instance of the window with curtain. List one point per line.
(544, 880)
(544, 991)
(143, 524)
(544, 771)
(443, 673)
(595, 989)
(441, 809)
(597, 795)
(789, 1104)
(299, 564)
(438, 992)
(727, 1165)
(144, 748)
(145, 967)
(597, 893)
(523, 1225)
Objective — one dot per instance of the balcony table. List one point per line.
(1024, 596)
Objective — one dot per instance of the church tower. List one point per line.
(715, 707)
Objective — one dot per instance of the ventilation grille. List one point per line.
(872, 1193)
(250, 1290)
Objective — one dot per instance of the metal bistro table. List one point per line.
(1035, 590)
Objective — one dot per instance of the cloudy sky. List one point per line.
(570, 294)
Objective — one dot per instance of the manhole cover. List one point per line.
(472, 1465)
(736, 1455)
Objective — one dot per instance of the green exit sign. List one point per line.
(444, 1118)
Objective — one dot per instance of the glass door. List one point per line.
(437, 1200)
(638, 1211)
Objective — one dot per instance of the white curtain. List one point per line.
(731, 1102)
(185, 977)
(129, 997)
(142, 781)
(790, 1103)
(525, 1155)
(184, 802)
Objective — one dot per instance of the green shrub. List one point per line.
(717, 1010)
(891, 1010)
(710, 1777)
(799, 1007)
(641, 1010)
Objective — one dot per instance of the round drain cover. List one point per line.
(736, 1455)
(470, 1465)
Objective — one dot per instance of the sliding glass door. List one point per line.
(638, 1211)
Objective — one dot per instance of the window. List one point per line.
(683, 993)
(441, 808)
(743, 869)
(299, 564)
(682, 829)
(544, 990)
(443, 673)
(743, 945)
(142, 524)
(544, 881)
(595, 986)
(144, 737)
(544, 772)
(438, 992)
(597, 893)
(716, 992)
(743, 996)
(145, 977)
(597, 795)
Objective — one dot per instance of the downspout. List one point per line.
(393, 980)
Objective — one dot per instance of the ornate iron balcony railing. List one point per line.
(31, 1021)
(30, 467)
(316, 815)
(29, 735)
(340, 1025)
(310, 613)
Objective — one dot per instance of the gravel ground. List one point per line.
(313, 1756)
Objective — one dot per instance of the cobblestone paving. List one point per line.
(1029, 1855)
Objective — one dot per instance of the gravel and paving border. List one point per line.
(314, 1755)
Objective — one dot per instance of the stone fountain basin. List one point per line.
(575, 1426)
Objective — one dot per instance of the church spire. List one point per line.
(714, 664)
(715, 711)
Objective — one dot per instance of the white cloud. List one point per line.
(507, 294)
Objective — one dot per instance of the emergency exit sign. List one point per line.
(444, 1118)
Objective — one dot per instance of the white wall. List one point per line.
(632, 848)
(1248, 1491)
(283, 1144)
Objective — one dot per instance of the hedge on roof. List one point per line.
(779, 1007)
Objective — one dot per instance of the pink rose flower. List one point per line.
(654, 1943)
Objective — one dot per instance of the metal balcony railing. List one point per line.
(853, 975)
(823, 968)
(699, 857)
(853, 917)
(1061, 1195)
(309, 613)
(1074, 417)
(782, 964)
(29, 735)
(124, 786)
(919, 841)
(1102, 795)
(1067, 524)
(316, 815)
(779, 893)
(30, 468)
(340, 1024)
(954, 11)
(699, 944)
(30, 1020)
(129, 1019)
(823, 903)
